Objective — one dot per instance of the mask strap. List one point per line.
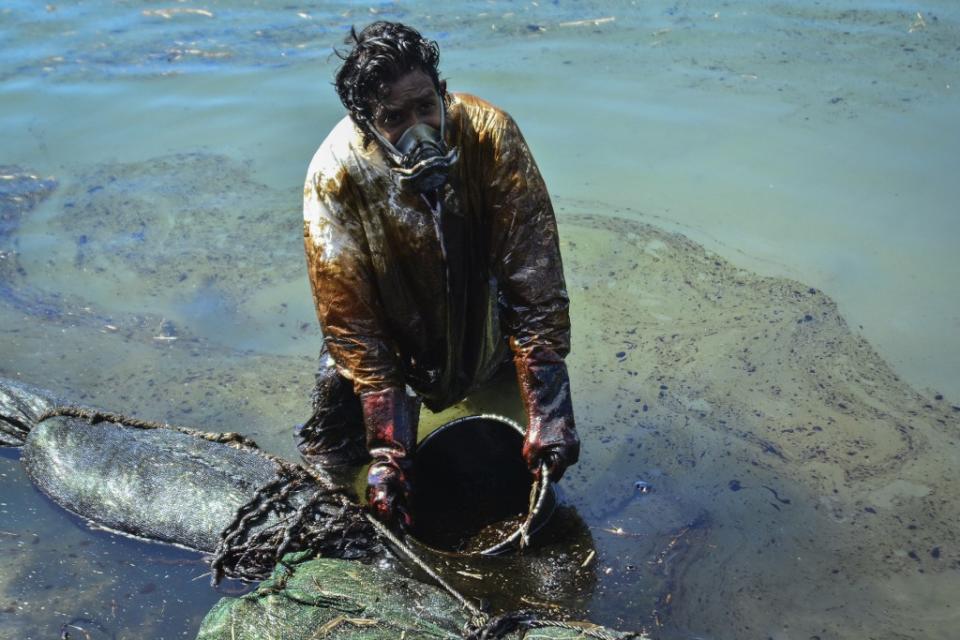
(443, 121)
(394, 153)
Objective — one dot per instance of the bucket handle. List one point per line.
(538, 495)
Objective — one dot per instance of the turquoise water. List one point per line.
(164, 274)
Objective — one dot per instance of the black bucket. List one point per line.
(472, 487)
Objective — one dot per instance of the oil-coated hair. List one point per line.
(380, 53)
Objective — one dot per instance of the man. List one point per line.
(432, 253)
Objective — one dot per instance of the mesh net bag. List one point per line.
(307, 599)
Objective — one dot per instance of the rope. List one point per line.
(230, 438)
(266, 498)
(538, 496)
(93, 417)
(478, 619)
(476, 614)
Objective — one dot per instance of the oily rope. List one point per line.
(290, 476)
(538, 495)
(93, 417)
(521, 537)
(235, 535)
(230, 438)
(477, 616)
(323, 523)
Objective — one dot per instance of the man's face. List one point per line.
(409, 100)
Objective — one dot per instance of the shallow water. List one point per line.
(163, 276)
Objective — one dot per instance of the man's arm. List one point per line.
(355, 331)
(344, 291)
(537, 305)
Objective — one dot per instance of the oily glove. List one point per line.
(551, 433)
(390, 419)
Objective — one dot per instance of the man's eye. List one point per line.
(426, 107)
(391, 118)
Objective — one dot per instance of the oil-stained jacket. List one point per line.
(408, 295)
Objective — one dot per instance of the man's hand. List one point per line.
(388, 492)
(556, 445)
(390, 417)
(551, 436)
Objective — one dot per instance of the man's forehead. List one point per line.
(414, 85)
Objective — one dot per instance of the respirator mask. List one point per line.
(420, 159)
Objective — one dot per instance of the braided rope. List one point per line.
(94, 416)
(266, 498)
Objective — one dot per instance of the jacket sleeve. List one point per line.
(527, 251)
(535, 299)
(344, 288)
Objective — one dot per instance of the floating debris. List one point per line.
(167, 14)
(475, 576)
(918, 24)
(643, 487)
(590, 556)
(594, 22)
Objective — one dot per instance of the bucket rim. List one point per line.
(476, 416)
(544, 490)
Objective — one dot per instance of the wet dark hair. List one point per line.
(381, 53)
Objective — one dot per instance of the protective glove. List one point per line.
(390, 417)
(551, 436)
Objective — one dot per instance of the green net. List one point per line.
(309, 599)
